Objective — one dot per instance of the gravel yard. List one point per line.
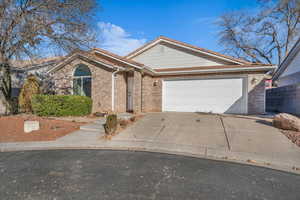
(12, 128)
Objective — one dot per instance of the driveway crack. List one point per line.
(225, 132)
(160, 130)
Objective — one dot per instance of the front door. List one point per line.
(129, 92)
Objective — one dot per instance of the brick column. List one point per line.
(137, 92)
(256, 94)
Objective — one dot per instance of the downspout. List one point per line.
(113, 89)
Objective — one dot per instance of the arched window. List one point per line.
(82, 81)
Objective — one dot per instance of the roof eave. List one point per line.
(118, 59)
(74, 56)
(211, 71)
(287, 60)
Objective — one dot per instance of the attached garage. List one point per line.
(215, 95)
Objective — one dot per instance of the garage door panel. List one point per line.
(204, 95)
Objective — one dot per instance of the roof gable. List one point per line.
(198, 51)
(164, 55)
(82, 55)
(289, 61)
(101, 56)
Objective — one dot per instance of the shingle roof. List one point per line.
(28, 64)
(118, 57)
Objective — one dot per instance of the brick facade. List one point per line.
(101, 83)
(137, 92)
(256, 94)
(147, 90)
(120, 92)
(152, 94)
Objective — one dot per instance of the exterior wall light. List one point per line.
(254, 81)
(155, 83)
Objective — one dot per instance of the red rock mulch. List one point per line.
(12, 129)
(294, 136)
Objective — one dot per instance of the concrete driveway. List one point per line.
(215, 133)
(178, 128)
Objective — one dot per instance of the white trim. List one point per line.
(265, 99)
(244, 78)
(183, 46)
(81, 77)
(113, 89)
(216, 70)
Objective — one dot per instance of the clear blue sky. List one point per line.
(138, 21)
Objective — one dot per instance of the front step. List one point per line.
(95, 127)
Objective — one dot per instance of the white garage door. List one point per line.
(205, 95)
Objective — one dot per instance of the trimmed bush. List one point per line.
(61, 105)
(30, 88)
(111, 124)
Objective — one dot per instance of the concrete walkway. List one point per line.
(252, 141)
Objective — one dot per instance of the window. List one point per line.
(82, 81)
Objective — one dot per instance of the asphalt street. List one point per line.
(99, 174)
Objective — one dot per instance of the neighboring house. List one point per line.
(164, 75)
(288, 72)
(21, 69)
(285, 97)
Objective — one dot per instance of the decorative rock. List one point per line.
(286, 122)
(100, 114)
(31, 126)
(125, 116)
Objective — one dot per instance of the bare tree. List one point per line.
(33, 27)
(263, 36)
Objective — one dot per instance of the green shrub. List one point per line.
(61, 105)
(111, 124)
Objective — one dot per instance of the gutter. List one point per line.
(268, 68)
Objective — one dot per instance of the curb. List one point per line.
(209, 153)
